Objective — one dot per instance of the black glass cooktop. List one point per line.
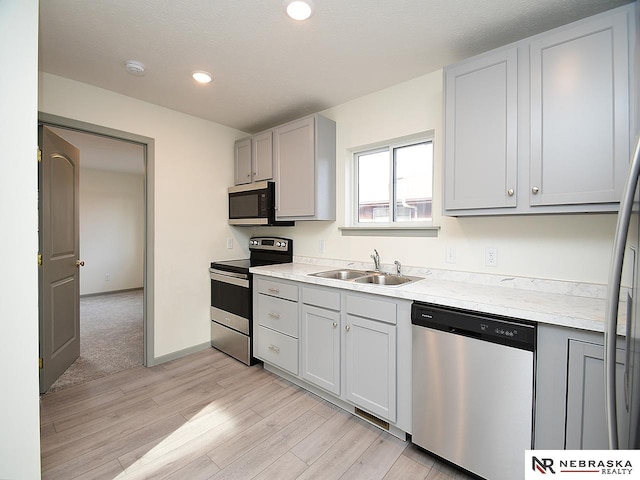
(237, 266)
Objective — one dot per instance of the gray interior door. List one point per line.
(59, 286)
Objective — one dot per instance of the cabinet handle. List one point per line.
(347, 327)
(335, 324)
(535, 190)
(510, 192)
(274, 290)
(248, 175)
(274, 349)
(274, 315)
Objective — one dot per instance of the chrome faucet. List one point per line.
(398, 268)
(376, 260)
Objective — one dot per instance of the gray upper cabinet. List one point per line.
(243, 161)
(305, 165)
(254, 158)
(580, 113)
(262, 162)
(542, 125)
(481, 123)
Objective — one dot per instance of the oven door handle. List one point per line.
(231, 279)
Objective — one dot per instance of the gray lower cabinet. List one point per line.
(370, 363)
(276, 324)
(354, 347)
(570, 410)
(320, 347)
(586, 427)
(542, 125)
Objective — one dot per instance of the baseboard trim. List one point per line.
(179, 354)
(111, 292)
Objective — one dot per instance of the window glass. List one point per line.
(373, 187)
(394, 184)
(414, 182)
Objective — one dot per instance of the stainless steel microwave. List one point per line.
(254, 204)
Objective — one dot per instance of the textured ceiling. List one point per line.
(267, 68)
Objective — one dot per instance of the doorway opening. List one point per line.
(116, 244)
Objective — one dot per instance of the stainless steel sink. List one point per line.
(340, 274)
(363, 276)
(388, 280)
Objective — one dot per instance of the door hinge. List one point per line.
(39, 155)
(39, 259)
(40, 363)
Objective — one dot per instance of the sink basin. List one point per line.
(389, 280)
(363, 276)
(340, 274)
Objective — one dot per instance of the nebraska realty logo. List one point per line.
(581, 464)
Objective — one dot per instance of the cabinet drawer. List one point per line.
(370, 308)
(278, 314)
(321, 298)
(278, 349)
(278, 289)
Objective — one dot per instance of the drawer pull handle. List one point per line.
(274, 290)
(274, 349)
(274, 315)
(335, 324)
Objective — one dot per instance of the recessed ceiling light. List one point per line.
(201, 76)
(298, 9)
(134, 67)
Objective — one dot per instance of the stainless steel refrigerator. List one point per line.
(626, 238)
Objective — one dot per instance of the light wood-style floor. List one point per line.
(208, 416)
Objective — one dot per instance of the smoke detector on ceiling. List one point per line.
(134, 67)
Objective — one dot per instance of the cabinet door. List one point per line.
(481, 132)
(295, 169)
(262, 156)
(370, 361)
(320, 348)
(580, 113)
(243, 161)
(586, 427)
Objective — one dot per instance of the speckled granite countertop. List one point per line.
(566, 304)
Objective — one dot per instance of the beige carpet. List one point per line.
(111, 337)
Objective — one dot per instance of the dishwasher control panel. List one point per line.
(489, 328)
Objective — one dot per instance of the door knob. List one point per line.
(79, 263)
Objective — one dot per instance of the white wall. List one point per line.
(565, 247)
(111, 230)
(193, 168)
(19, 420)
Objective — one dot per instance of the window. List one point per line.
(394, 184)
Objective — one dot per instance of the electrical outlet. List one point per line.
(321, 246)
(107, 277)
(229, 243)
(491, 257)
(451, 255)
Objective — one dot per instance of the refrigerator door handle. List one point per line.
(613, 296)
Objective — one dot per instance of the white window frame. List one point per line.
(388, 146)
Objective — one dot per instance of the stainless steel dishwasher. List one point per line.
(473, 389)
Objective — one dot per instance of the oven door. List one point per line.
(231, 300)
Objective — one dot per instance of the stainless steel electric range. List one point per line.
(232, 296)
